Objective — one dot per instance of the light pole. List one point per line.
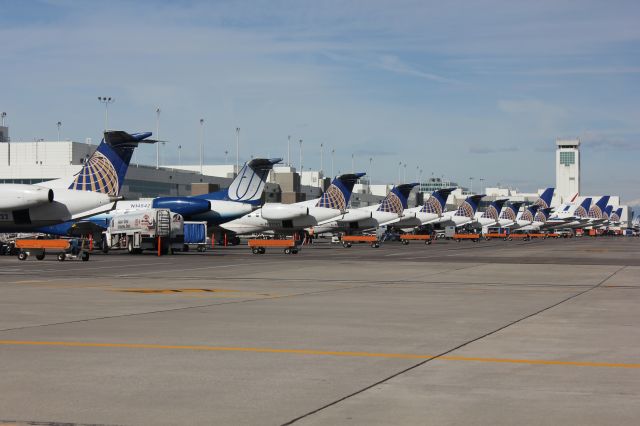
(370, 168)
(3, 115)
(300, 157)
(106, 100)
(59, 124)
(481, 180)
(289, 150)
(471, 185)
(333, 151)
(158, 138)
(226, 156)
(353, 163)
(399, 171)
(405, 173)
(201, 141)
(237, 150)
(321, 152)
(179, 155)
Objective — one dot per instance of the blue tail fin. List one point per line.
(542, 215)
(437, 201)
(583, 209)
(529, 213)
(607, 212)
(544, 201)
(249, 183)
(396, 199)
(597, 210)
(494, 209)
(615, 217)
(338, 194)
(105, 170)
(511, 211)
(469, 206)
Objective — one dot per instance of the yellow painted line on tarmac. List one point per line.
(319, 353)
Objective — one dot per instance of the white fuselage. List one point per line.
(67, 205)
(254, 222)
(361, 219)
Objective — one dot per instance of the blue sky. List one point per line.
(459, 88)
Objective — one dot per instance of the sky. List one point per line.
(458, 89)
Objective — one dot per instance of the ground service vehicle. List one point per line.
(65, 249)
(150, 229)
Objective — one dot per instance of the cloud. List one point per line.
(599, 141)
(394, 64)
(492, 150)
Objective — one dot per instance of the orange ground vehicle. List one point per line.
(259, 246)
(406, 238)
(473, 237)
(348, 240)
(491, 235)
(66, 248)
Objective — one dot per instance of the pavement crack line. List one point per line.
(468, 342)
(183, 308)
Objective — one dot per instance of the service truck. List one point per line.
(143, 230)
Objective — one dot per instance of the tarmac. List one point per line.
(542, 332)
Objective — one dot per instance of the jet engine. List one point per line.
(185, 206)
(275, 211)
(17, 196)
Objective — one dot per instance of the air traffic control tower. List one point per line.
(567, 168)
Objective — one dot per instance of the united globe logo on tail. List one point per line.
(97, 175)
(595, 212)
(527, 216)
(509, 214)
(580, 212)
(465, 210)
(391, 204)
(491, 212)
(333, 198)
(432, 205)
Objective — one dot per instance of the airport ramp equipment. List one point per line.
(76, 248)
(406, 238)
(348, 240)
(259, 246)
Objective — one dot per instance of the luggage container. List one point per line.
(195, 235)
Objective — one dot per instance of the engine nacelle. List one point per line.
(356, 215)
(17, 196)
(186, 206)
(276, 211)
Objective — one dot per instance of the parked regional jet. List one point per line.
(94, 189)
(539, 219)
(614, 218)
(464, 215)
(371, 217)
(430, 211)
(243, 196)
(570, 216)
(289, 218)
(510, 214)
(490, 216)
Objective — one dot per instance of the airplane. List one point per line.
(597, 211)
(571, 216)
(290, 218)
(371, 217)
(94, 189)
(465, 214)
(243, 196)
(539, 219)
(490, 216)
(510, 214)
(430, 211)
(614, 218)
